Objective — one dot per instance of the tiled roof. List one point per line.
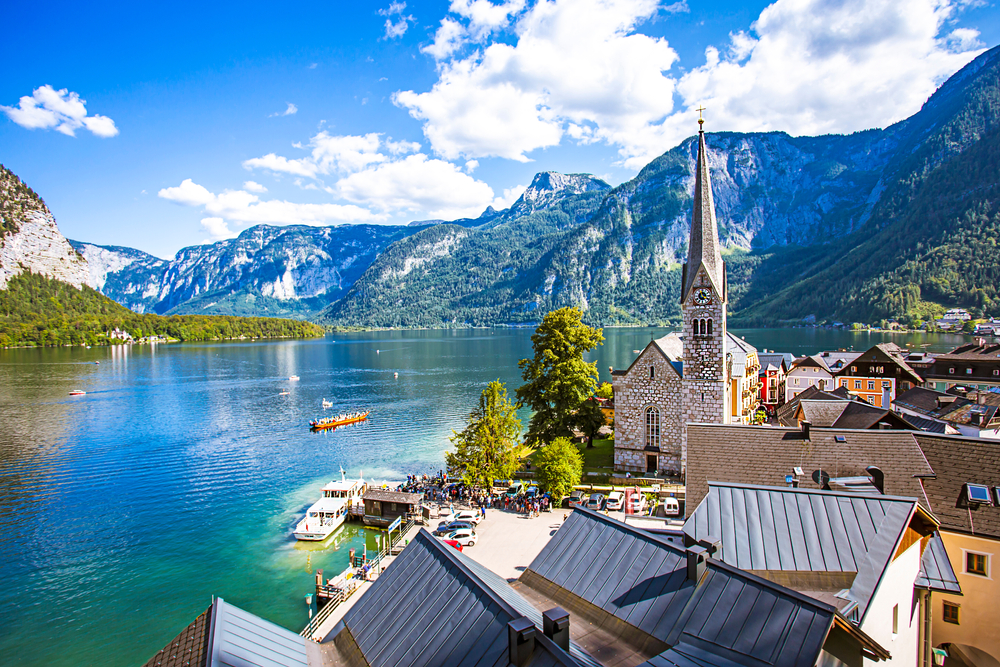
(764, 455)
(392, 497)
(435, 606)
(936, 572)
(766, 528)
(956, 461)
(641, 580)
(188, 649)
(929, 425)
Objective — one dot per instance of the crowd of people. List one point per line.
(439, 489)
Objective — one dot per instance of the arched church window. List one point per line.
(710, 327)
(652, 427)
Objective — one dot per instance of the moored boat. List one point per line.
(327, 404)
(339, 420)
(329, 512)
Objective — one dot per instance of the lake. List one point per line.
(181, 473)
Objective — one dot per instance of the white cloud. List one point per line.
(218, 229)
(242, 207)
(580, 70)
(510, 196)
(281, 164)
(252, 186)
(313, 65)
(470, 166)
(290, 110)
(48, 108)
(397, 28)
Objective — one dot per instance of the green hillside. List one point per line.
(38, 311)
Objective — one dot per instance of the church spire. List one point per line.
(703, 245)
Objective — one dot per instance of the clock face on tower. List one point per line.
(703, 296)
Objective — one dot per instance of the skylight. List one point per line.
(974, 495)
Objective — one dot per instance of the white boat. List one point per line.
(327, 404)
(294, 378)
(329, 512)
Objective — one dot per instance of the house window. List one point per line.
(652, 427)
(968, 371)
(796, 382)
(854, 369)
(857, 384)
(871, 385)
(951, 612)
(996, 371)
(895, 620)
(843, 382)
(652, 372)
(977, 564)
(951, 370)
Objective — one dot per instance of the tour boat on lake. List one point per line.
(329, 512)
(339, 420)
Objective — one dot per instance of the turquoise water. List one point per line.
(183, 470)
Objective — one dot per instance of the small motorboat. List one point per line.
(78, 392)
(294, 378)
(339, 420)
(327, 404)
(395, 375)
(98, 363)
(284, 393)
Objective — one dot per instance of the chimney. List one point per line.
(712, 544)
(806, 426)
(555, 625)
(696, 565)
(878, 478)
(976, 418)
(981, 397)
(520, 641)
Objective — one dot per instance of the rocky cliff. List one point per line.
(30, 239)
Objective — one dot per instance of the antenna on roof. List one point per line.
(822, 478)
(878, 478)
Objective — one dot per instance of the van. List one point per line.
(515, 489)
(671, 507)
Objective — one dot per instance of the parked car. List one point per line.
(577, 498)
(671, 507)
(596, 501)
(515, 489)
(471, 516)
(453, 543)
(616, 501)
(451, 526)
(464, 536)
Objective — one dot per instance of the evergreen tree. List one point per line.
(557, 379)
(560, 467)
(487, 448)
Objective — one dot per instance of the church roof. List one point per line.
(703, 245)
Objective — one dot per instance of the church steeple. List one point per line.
(703, 245)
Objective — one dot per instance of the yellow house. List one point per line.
(964, 495)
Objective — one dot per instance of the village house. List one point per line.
(774, 367)
(877, 375)
(975, 365)
(975, 414)
(806, 372)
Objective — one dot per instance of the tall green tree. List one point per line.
(605, 390)
(557, 379)
(589, 418)
(560, 467)
(487, 448)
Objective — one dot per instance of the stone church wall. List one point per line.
(634, 392)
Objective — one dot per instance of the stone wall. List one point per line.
(634, 392)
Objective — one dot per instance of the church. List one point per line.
(702, 374)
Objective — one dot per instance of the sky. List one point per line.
(159, 127)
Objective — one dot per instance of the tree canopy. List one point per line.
(560, 467)
(487, 448)
(557, 379)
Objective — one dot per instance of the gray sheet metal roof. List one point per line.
(240, 639)
(683, 655)
(766, 528)
(936, 572)
(642, 579)
(435, 606)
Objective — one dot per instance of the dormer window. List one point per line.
(968, 371)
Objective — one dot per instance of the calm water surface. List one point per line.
(183, 470)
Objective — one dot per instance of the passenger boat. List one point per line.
(329, 512)
(339, 420)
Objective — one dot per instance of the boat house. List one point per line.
(383, 507)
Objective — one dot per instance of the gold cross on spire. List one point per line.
(701, 121)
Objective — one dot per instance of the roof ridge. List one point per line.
(815, 492)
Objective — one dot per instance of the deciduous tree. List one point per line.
(557, 379)
(487, 448)
(560, 467)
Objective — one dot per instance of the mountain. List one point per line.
(265, 271)
(29, 238)
(886, 223)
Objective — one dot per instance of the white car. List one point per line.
(637, 503)
(616, 500)
(472, 516)
(464, 536)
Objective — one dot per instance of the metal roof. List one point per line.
(641, 579)
(435, 606)
(240, 639)
(766, 528)
(936, 573)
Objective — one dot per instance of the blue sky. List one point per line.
(159, 127)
